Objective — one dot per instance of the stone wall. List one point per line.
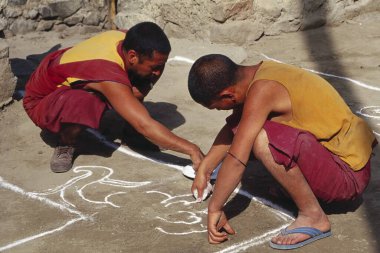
(24, 16)
(225, 21)
(239, 21)
(219, 21)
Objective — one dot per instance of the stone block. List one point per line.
(22, 26)
(224, 10)
(74, 19)
(3, 4)
(16, 2)
(125, 20)
(45, 25)
(92, 18)
(4, 49)
(3, 23)
(7, 79)
(238, 32)
(12, 12)
(60, 8)
(32, 14)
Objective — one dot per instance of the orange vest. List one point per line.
(103, 47)
(319, 109)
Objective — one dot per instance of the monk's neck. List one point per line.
(246, 76)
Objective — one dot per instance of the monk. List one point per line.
(297, 125)
(72, 87)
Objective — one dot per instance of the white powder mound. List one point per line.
(206, 192)
(188, 171)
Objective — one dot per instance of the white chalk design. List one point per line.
(75, 185)
(372, 112)
(181, 59)
(182, 217)
(79, 215)
(255, 241)
(88, 172)
(197, 216)
(182, 220)
(129, 152)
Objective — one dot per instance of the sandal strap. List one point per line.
(302, 230)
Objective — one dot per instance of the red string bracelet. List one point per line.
(237, 159)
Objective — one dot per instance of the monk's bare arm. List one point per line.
(131, 109)
(261, 100)
(217, 151)
(215, 155)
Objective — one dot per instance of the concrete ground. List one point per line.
(118, 199)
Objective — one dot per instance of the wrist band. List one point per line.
(237, 159)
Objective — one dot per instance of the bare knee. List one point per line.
(260, 146)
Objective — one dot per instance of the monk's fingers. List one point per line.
(228, 228)
(222, 222)
(215, 238)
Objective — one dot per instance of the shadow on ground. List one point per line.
(322, 49)
(113, 127)
(258, 182)
(23, 68)
(114, 132)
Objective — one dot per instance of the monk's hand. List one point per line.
(199, 185)
(218, 227)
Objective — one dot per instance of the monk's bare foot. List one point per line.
(316, 220)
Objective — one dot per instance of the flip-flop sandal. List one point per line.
(315, 234)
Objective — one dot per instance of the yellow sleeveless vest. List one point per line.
(102, 46)
(319, 109)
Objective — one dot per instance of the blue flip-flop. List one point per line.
(315, 234)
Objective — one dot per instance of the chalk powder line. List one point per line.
(64, 207)
(16, 189)
(105, 179)
(241, 246)
(129, 152)
(67, 206)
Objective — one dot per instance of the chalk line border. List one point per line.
(14, 188)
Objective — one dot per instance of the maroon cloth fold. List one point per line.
(330, 178)
(66, 105)
(48, 104)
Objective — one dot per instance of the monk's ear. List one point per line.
(228, 93)
(132, 57)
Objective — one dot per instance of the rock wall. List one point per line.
(219, 21)
(224, 21)
(23, 16)
(239, 21)
(7, 79)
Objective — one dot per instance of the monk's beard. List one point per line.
(142, 83)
